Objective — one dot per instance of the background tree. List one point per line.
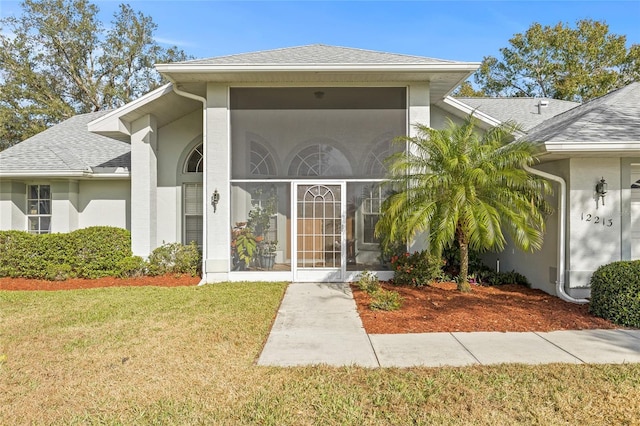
(57, 60)
(466, 90)
(561, 62)
(456, 185)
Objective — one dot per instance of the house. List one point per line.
(281, 148)
(592, 152)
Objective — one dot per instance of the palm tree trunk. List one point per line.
(463, 280)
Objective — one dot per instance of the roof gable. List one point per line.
(66, 148)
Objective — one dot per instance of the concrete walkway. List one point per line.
(319, 324)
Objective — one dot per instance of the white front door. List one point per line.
(319, 231)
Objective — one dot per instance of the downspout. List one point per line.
(204, 167)
(562, 234)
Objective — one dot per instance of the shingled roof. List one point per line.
(66, 148)
(527, 112)
(315, 54)
(614, 117)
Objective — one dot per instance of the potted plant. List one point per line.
(267, 251)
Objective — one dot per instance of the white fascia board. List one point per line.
(204, 68)
(57, 174)
(112, 122)
(577, 146)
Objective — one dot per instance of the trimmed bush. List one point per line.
(417, 269)
(615, 293)
(86, 253)
(175, 258)
(493, 278)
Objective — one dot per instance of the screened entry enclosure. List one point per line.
(307, 164)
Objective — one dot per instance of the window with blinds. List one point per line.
(192, 213)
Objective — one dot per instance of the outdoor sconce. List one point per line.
(215, 198)
(601, 190)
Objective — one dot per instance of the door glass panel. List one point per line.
(363, 211)
(319, 226)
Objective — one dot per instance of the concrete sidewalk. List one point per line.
(319, 324)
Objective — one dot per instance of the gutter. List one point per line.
(204, 167)
(562, 234)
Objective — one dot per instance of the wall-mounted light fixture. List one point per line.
(215, 198)
(601, 191)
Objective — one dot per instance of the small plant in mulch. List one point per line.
(385, 300)
(368, 282)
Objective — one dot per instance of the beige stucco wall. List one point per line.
(13, 205)
(175, 141)
(104, 203)
(594, 230)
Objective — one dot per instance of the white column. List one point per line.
(216, 177)
(144, 185)
(419, 113)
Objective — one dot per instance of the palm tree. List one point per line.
(457, 185)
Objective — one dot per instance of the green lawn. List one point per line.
(187, 355)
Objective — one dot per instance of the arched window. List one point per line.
(192, 198)
(194, 161)
(262, 163)
(319, 160)
(374, 163)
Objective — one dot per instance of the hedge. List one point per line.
(615, 293)
(85, 253)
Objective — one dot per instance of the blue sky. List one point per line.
(457, 30)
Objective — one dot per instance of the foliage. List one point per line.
(368, 282)
(455, 185)
(490, 277)
(243, 245)
(57, 60)
(561, 62)
(615, 293)
(85, 253)
(385, 300)
(175, 258)
(416, 269)
(131, 267)
(466, 90)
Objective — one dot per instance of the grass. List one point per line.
(186, 355)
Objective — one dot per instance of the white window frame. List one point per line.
(36, 209)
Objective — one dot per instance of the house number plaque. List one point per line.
(596, 220)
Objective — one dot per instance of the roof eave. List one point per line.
(210, 68)
(58, 174)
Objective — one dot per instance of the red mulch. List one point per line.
(78, 283)
(441, 308)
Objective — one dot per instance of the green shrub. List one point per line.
(615, 293)
(175, 258)
(97, 250)
(493, 278)
(368, 281)
(86, 253)
(417, 269)
(133, 266)
(385, 300)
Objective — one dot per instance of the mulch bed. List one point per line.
(441, 308)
